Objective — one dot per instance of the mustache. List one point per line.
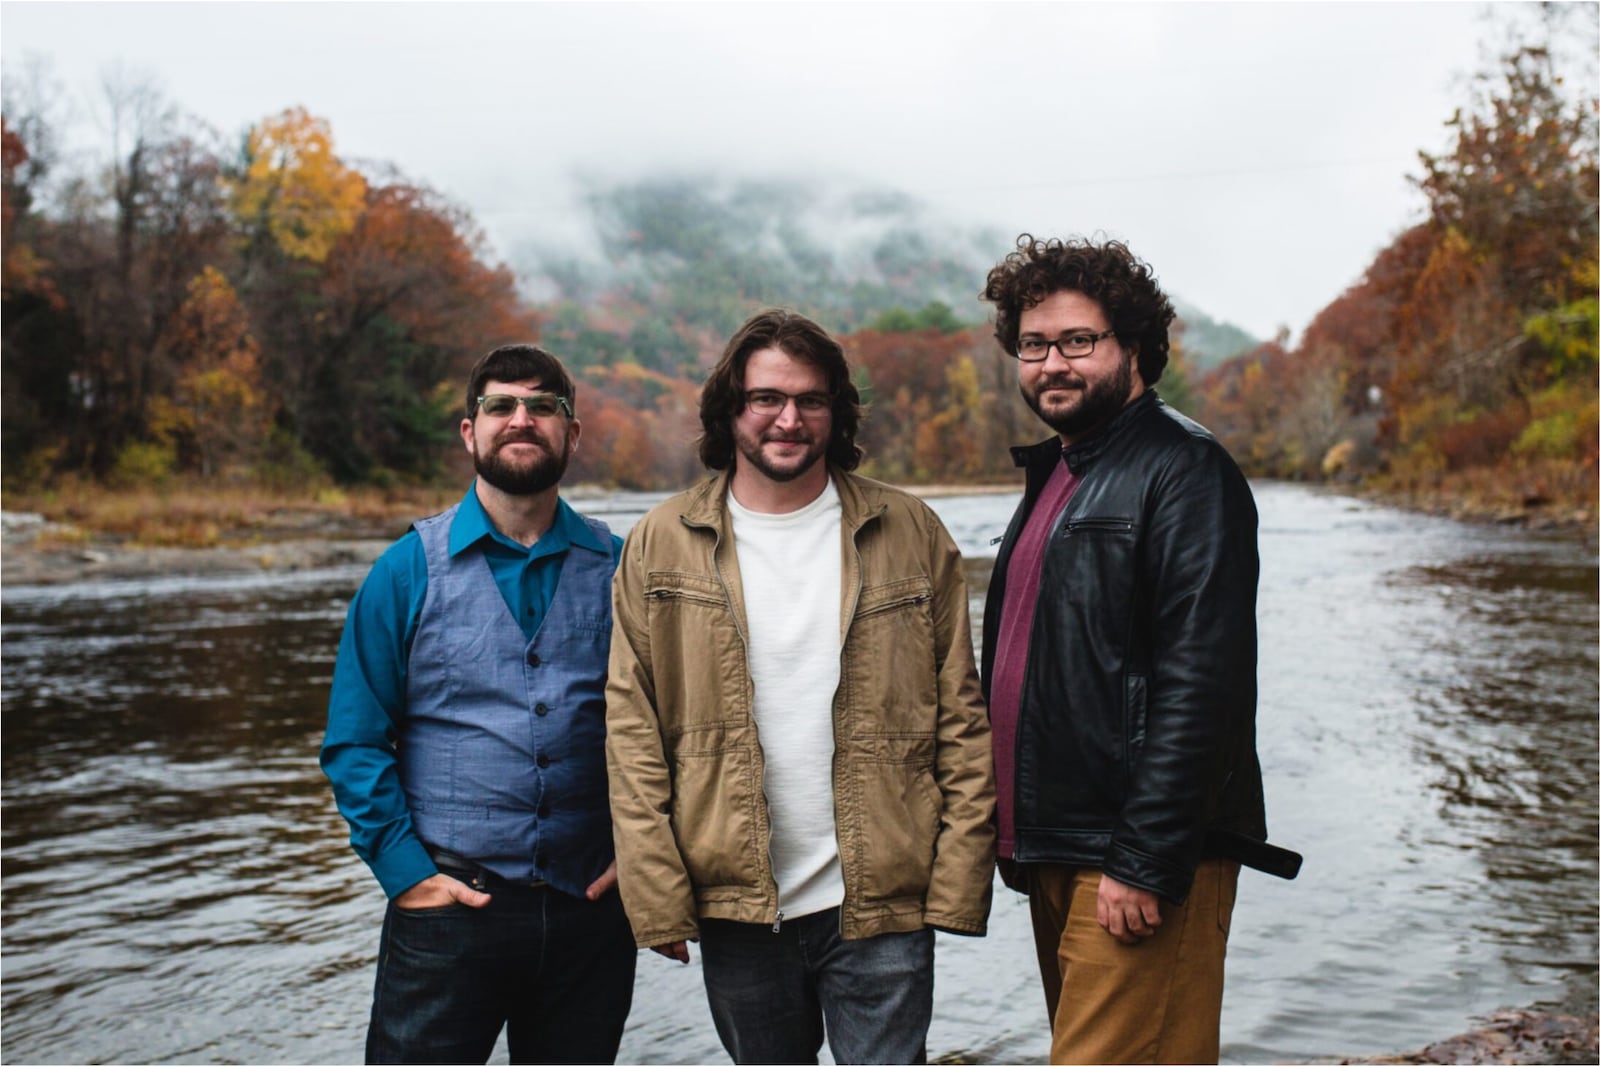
(520, 436)
(1061, 381)
(787, 438)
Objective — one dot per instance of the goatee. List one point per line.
(752, 452)
(528, 480)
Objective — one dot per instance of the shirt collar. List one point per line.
(472, 524)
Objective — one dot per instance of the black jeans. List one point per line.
(555, 970)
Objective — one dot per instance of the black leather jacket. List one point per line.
(1136, 738)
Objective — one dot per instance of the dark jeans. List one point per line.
(555, 970)
(770, 993)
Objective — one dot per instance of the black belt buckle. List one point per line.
(474, 874)
(461, 869)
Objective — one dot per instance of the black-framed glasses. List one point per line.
(538, 405)
(771, 402)
(1076, 346)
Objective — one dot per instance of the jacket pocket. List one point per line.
(896, 812)
(890, 676)
(1076, 526)
(714, 793)
(701, 675)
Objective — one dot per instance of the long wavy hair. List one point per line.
(722, 397)
(1107, 273)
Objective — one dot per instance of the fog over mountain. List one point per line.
(704, 250)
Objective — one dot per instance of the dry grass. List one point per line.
(1538, 491)
(198, 515)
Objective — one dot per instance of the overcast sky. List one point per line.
(1256, 154)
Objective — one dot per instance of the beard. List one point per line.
(527, 479)
(1096, 404)
(750, 448)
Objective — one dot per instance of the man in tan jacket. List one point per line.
(797, 746)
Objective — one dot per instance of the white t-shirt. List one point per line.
(789, 565)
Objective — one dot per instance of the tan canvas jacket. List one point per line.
(913, 779)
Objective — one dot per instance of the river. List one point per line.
(177, 887)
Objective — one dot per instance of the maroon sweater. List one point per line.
(1011, 648)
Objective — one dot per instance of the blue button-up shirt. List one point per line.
(369, 677)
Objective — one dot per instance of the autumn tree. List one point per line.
(293, 190)
(218, 413)
(107, 273)
(1470, 342)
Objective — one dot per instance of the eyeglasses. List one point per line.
(771, 402)
(538, 405)
(1037, 349)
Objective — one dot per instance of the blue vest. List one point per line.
(502, 749)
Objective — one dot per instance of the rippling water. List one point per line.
(177, 885)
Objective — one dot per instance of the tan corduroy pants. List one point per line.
(1159, 1000)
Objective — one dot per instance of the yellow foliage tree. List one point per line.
(295, 188)
(947, 444)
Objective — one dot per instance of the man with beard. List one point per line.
(465, 744)
(799, 758)
(1119, 656)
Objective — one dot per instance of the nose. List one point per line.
(519, 416)
(789, 415)
(1054, 352)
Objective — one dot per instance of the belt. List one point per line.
(475, 874)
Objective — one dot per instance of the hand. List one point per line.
(1127, 913)
(440, 890)
(604, 883)
(678, 949)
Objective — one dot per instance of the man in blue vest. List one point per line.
(466, 746)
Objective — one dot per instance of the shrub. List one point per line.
(141, 463)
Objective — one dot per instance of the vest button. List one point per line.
(533, 658)
(541, 710)
(543, 760)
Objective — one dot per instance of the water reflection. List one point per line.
(177, 886)
(1510, 742)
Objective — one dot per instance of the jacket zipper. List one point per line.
(844, 640)
(766, 801)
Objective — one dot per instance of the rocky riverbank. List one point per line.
(1513, 1036)
(34, 551)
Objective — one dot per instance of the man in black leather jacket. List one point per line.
(1119, 663)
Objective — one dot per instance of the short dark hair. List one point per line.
(1108, 273)
(722, 397)
(520, 362)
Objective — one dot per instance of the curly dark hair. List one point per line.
(722, 397)
(1109, 274)
(520, 362)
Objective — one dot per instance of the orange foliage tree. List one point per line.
(1470, 342)
(218, 413)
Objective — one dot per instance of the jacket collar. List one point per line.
(1083, 453)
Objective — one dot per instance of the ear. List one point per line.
(466, 437)
(574, 431)
(1138, 377)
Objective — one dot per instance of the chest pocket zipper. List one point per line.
(913, 600)
(661, 595)
(1096, 525)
